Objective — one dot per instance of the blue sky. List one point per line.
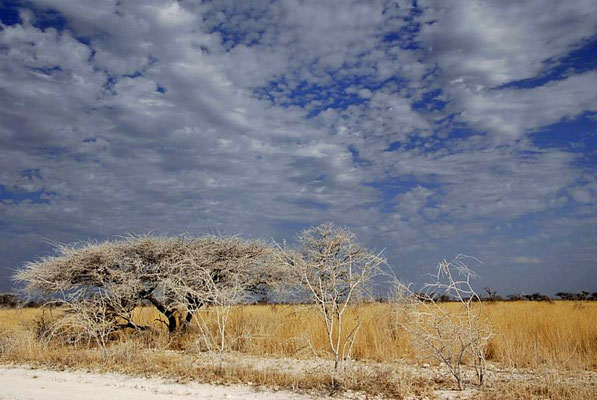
(428, 128)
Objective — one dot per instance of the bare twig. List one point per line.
(449, 333)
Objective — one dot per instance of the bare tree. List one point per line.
(334, 271)
(450, 333)
(169, 273)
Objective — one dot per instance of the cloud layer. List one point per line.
(429, 130)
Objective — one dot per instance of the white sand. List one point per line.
(25, 384)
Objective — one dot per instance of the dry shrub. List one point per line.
(8, 342)
(333, 271)
(41, 326)
(452, 335)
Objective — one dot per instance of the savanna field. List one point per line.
(298, 200)
(538, 349)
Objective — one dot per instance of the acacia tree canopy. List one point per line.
(169, 272)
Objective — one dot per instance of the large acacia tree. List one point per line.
(170, 273)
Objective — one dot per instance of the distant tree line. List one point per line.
(577, 296)
(492, 296)
(11, 300)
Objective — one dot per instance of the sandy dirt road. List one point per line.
(24, 384)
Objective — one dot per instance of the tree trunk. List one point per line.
(193, 305)
(168, 313)
(188, 318)
(171, 320)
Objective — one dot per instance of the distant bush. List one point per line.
(584, 295)
(9, 300)
(491, 296)
(537, 297)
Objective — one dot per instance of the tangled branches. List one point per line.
(176, 275)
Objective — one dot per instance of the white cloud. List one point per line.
(207, 152)
(489, 43)
(525, 260)
(481, 45)
(513, 112)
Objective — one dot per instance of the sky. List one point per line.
(428, 128)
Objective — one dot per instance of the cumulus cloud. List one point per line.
(262, 119)
(480, 46)
(489, 43)
(513, 112)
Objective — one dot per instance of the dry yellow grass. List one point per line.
(558, 336)
(527, 334)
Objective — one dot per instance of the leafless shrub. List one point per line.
(42, 325)
(334, 271)
(213, 321)
(86, 320)
(8, 341)
(450, 333)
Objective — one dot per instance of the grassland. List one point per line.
(539, 350)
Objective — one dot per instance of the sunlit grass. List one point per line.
(554, 336)
(561, 334)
